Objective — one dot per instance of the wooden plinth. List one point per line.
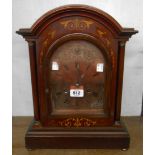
(115, 137)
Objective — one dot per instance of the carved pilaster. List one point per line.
(33, 66)
(120, 70)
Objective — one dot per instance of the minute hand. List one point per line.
(83, 75)
(77, 66)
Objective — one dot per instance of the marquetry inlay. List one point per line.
(77, 122)
(76, 24)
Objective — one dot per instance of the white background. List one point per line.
(127, 12)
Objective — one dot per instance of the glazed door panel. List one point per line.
(76, 79)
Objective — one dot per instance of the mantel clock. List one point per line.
(76, 60)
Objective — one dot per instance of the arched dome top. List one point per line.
(94, 12)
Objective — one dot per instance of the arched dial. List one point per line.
(77, 73)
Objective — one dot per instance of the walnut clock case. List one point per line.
(76, 59)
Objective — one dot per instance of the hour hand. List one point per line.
(66, 67)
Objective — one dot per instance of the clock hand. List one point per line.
(95, 74)
(77, 66)
(66, 67)
(83, 75)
